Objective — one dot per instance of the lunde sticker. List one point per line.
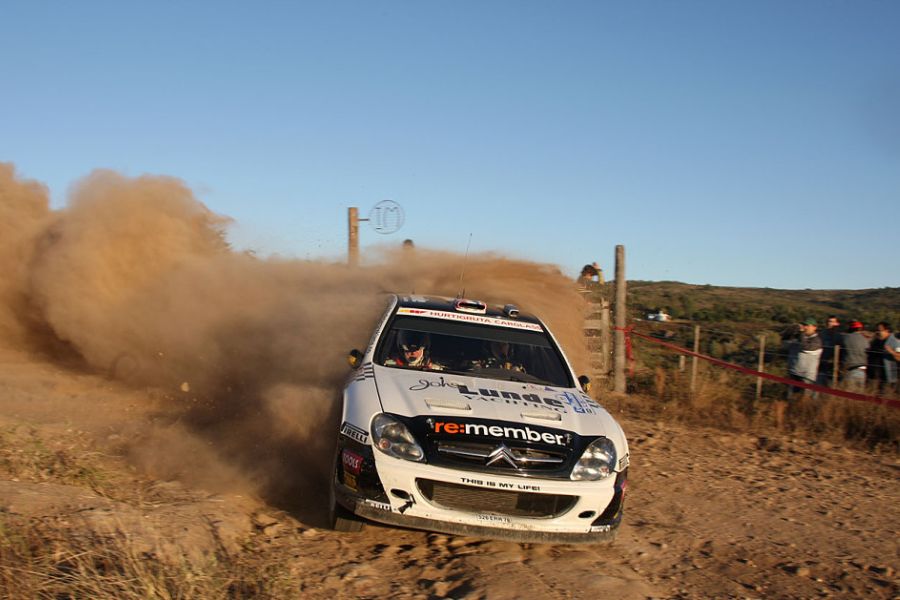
(580, 404)
(468, 318)
(514, 398)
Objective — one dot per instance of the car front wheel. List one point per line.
(339, 518)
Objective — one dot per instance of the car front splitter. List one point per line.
(373, 513)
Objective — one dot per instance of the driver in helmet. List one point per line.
(414, 351)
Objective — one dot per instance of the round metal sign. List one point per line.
(386, 217)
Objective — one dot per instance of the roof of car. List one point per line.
(450, 305)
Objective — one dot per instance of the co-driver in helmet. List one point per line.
(499, 355)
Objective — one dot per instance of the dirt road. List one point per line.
(709, 513)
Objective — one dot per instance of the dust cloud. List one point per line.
(135, 280)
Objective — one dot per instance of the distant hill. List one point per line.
(762, 306)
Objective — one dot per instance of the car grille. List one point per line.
(475, 455)
(501, 502)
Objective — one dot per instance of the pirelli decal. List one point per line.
(468, 318)
(354, 433)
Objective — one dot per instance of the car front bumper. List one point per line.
(470, 503)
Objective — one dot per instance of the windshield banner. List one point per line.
(468, 318)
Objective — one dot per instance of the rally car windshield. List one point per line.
(472, 349)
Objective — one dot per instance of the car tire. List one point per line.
(339, 518)
(345, 521)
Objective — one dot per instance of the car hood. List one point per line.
(414, 393)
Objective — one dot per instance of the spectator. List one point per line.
(853, 347)
(588, 275)
(804, 350)
(831, 337)
(804, 354)
(881, 366)
(892, 347)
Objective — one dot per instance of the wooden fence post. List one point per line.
(598, 330)
(352, 236)
(604, 340)
(619, 348)
(761, 365)
(694, 359)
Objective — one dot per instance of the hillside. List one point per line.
(765, 306)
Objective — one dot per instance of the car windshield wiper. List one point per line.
(507, 375)
(526, 378)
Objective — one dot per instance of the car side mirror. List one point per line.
(585, 382)
(354, 358)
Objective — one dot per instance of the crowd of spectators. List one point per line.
(862, 359)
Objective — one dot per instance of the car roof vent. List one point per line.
(511, 310)
(471, 306)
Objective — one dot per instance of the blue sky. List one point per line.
(730, 143)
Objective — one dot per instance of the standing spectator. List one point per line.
(803, 359)
(804, 352)
(853, 346)
(831, 337)
(589, 274)
(892, 347)
(880, 366)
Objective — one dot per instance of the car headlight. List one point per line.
(394, 439)
(597, 462)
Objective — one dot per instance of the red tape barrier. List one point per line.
(629, 331)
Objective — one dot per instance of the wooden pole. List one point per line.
(837, 365)
(353, 236)
(761, 365)
(619, 348)
(681, 362)
(604, 340)
(695, 360)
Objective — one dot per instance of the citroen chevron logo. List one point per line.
(499, 453)
(508, 457)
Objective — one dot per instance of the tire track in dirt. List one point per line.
(708, 513)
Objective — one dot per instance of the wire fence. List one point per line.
(760, 353)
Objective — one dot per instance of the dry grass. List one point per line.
(64, 557)
(26, 455)
(727, 400)
(47, 560)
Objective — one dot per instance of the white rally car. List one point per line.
(466, 418)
